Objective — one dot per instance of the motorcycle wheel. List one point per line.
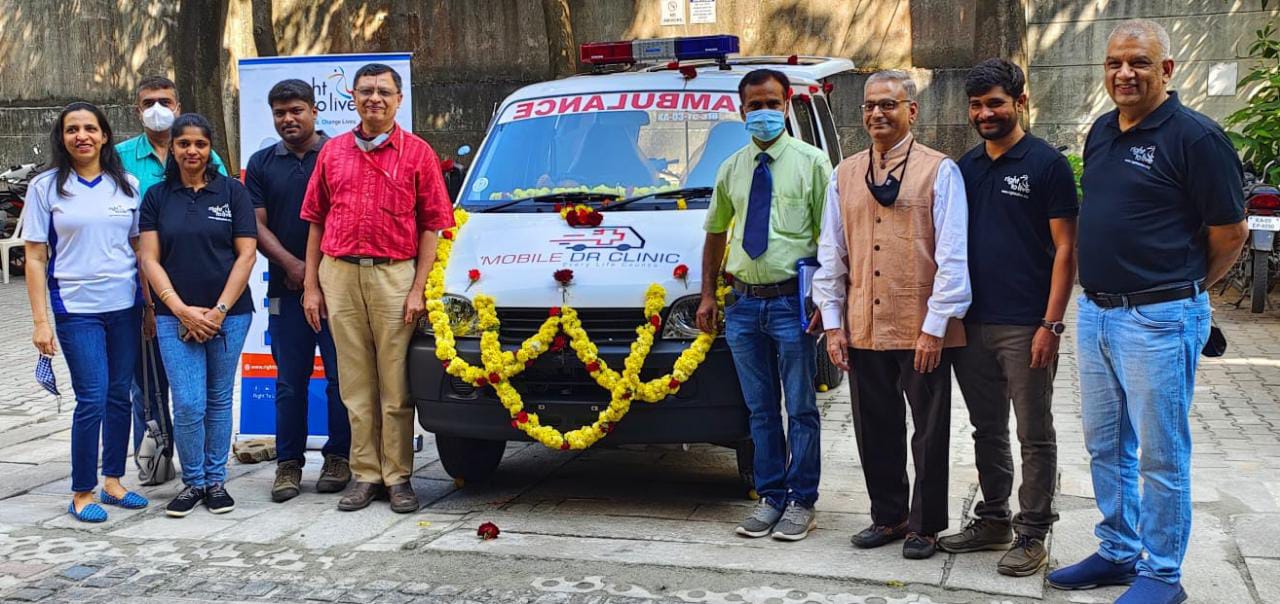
(1258, 294)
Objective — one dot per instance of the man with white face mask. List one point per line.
(144, 157)
(772, 191)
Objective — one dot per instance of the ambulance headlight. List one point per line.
(682, 319)
(462, 317)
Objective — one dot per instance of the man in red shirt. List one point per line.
(375, 203)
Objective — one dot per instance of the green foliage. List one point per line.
(1256, 126)
(1077, 170)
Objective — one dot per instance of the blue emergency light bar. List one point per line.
(659, 49)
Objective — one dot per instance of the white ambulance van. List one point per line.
(639, 139)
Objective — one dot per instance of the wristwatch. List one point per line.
(222, 308)
(1054, 327)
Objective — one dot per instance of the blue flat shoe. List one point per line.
(1146, 590)
(130, 501)
(90, 513)
(1094, 571)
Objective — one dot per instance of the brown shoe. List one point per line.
(335, 474)
(288, 481)
(1025, 558)
(403, 499)
(360, 495)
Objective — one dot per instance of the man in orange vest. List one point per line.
(893, 286)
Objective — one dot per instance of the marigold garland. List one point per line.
(499, 366)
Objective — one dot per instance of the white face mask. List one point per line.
(157, 118)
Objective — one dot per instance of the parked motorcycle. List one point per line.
(1260, 261)
(13, 194)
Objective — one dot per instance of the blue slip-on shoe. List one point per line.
(89, 513)
(1094, 571)
(1146, 590)
(130, 501)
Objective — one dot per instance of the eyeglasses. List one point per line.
(365, 93)
(885, 105)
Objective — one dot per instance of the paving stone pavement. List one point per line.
(611, 525)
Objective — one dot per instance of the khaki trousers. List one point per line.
(366, 316)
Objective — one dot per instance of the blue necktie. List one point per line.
(755, 236)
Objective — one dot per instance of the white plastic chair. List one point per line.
(10, 242)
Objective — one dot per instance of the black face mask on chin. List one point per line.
(887, 193)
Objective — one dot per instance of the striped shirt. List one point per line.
(376, 203)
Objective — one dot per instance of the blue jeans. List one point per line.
(202, 377)
(101, 350)
(159, 387)
(293, 346)
(1137, 374)
(776, 361)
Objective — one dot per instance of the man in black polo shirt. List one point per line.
(277, 180)
(1162, 220)
(1022, 235)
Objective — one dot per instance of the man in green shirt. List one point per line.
(144, 156)
(771, 193)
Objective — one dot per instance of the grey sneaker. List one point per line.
(1025, 558)
(761, 520)
(796, 523)
(981, 534)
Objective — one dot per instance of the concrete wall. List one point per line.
(469, 54)
(1067, 42)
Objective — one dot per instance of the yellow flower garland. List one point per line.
(499, 366)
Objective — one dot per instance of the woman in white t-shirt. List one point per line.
(81, 227)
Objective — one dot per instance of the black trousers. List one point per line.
(880, 380)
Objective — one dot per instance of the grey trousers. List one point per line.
(993, 370)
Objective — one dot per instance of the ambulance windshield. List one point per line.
(622, 144)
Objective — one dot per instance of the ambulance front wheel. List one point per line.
(469, 460)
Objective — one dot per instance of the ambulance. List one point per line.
(638, 139)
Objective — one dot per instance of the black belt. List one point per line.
(768, 290)
(1182, 292)
(365, 260)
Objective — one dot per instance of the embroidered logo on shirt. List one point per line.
(1019, 186)
(117, 210)
(220, 213)
(1143, 157)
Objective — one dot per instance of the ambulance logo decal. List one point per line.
(603, 238)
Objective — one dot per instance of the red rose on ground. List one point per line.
(681, 271)
(488, 531)
(563, 276)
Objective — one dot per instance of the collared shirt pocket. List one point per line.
(791, 215)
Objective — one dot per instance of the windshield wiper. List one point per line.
(672, 194)
(553, 198)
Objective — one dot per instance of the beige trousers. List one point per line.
(366, 316)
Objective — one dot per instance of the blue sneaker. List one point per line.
(1094, 571)
(1146, 590)
(89, 513)
(130, 501)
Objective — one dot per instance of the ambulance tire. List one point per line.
(746, 453)
(829, 375)
(471, 460)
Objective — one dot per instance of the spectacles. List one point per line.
(368, 92)
(885, 105)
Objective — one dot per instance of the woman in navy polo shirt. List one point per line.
(80, 225)
(199, 243)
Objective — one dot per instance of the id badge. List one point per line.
(273, 306)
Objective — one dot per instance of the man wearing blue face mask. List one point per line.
(772, 192)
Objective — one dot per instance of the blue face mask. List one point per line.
(766, 124)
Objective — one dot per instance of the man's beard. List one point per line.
(1003, 128)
